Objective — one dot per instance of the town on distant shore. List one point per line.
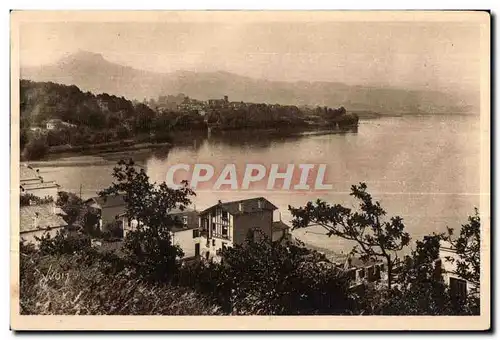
(60, 118)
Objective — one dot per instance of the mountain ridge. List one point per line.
(93, 72)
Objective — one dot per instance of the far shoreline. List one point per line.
(55, 155)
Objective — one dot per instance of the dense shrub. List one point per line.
(265, 278)
(62, 243)
(113, 230)
(28, 199)
(36, 148)
(71, 285)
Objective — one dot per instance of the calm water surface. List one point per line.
(424, 169)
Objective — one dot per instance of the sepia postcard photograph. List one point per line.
(250, 170)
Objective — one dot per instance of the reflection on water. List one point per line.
(425, 169)
(265, 139)
(248, 140)
(257, 139)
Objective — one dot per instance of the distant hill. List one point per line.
(92, 72)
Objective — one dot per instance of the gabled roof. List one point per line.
(47, 215)
(249, 206)
(108, 201)
(26, 172)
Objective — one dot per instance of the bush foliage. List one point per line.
(71, 284)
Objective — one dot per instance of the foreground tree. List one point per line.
(261, 277)
(284, 278)
(468, 249)
(375, 238)
(72, 205)
(421, 289)
(35, 148)
(28, 199)
(149, 246)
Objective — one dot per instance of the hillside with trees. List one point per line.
(86, 120)
(89, 119)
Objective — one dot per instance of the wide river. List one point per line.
(424, 169)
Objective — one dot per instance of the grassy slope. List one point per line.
(66, 285)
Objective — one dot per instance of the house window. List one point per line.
(225, 231)
(458, 289)
(224, 215)
(196, 233)
(184, 220)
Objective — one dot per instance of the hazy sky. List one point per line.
(433, 55)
